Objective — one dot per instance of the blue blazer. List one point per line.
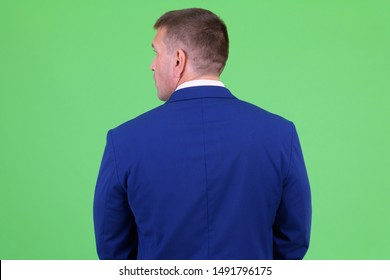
(203, 176)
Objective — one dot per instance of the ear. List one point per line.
(180, 63)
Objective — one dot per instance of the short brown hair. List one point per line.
(203, 33)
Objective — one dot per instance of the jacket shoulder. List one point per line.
(140, 120)
(266, 117)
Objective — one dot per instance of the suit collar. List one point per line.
(200, 92)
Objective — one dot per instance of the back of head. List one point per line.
(201, 34)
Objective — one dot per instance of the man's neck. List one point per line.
(189, 78)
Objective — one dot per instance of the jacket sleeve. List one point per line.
(291, 230)
(115, 229)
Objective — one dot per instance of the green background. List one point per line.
(71, 70)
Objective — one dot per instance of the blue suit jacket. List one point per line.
(203, 176)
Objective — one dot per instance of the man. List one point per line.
(205, 175)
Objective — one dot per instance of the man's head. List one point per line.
(189, 44)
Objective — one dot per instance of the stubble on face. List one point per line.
(162, 66)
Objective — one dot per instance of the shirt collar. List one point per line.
(204, 91)
(195, 83)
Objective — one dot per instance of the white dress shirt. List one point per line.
(195, 83)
